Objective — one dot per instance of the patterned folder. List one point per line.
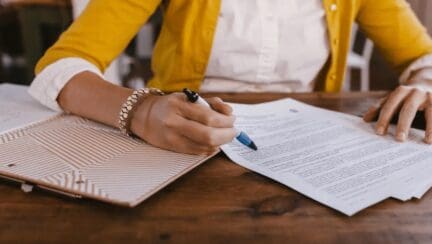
(81, 158)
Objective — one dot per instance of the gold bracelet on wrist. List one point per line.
(128, 108)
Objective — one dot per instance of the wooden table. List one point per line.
(217, 202)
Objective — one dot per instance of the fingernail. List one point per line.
(380, 130)
(401, 136)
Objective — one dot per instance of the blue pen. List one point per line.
(241, 136)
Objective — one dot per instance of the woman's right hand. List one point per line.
(173, 123)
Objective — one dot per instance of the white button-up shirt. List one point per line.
(268, 41)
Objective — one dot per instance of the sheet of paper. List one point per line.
(18, 108)
(331, 157)
(416, 185)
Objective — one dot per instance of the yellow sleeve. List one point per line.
(101, 33)
(395, 30)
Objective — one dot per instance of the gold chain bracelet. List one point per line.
(128, 108)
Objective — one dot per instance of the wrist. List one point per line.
(130, 110)
(90, 96)
(139, 121)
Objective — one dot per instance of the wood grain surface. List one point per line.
(218, 202)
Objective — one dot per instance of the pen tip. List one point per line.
(253, 146)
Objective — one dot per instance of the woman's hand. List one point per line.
(405, 100)
(173, 123)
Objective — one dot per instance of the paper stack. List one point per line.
(331, 157)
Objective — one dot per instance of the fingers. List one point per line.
(428, 117)
(182, 144)
(204, 126)
(171, 122)
(172, 140)
(373, 110)
(390, 107)
(217, 104)
(203, 114)
(207, 116)
(204, 135)
(408, 112)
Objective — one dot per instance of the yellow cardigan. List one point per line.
(183, 48)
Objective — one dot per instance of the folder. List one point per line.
(83, 159)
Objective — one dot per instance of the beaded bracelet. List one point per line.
(128, 108)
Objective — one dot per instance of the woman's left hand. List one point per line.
(405, 100)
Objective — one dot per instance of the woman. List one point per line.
(230, 45)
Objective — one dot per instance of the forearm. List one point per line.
(89, 96)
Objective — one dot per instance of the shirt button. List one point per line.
(333, 77)
(335, 41)
(333, 7)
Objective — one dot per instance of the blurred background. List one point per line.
(29, 27)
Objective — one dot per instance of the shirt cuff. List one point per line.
(418, 72)
(48, 84)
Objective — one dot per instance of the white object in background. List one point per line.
(144, 44)
(112, 72)
(359, 61)
(7, 61)
(136, 83)
(143, 50)
(78, 7)
(19, 109)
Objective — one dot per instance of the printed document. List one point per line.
(331, 157)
